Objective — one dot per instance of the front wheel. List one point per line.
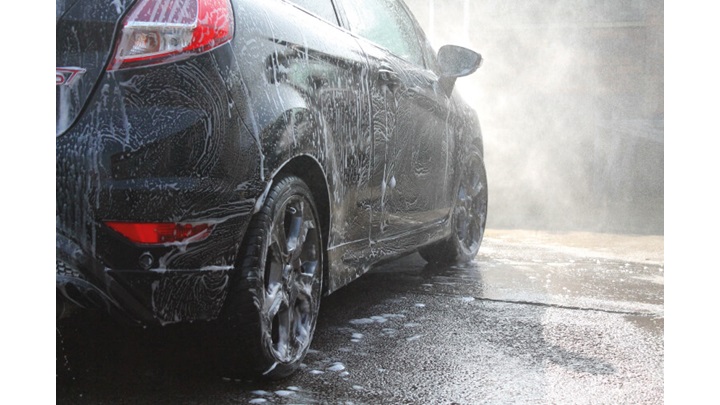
(468, 218)
(272, 311)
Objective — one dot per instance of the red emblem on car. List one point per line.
(67, 75)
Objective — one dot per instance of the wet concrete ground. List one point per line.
(537, 318)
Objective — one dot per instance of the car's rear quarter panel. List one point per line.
(310, 97)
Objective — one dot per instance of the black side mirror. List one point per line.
(455, 61)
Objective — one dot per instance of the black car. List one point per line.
(234, 161)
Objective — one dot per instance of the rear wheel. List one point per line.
(272, 311)
(468, 218)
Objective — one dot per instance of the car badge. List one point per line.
(65, 76)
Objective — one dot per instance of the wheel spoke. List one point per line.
(302, 323)
(296, 233)
(281, 336)
(273, 271)
(304, 284)
(302, 307)
(462, 193)
(279, 243)
(309, 253)
(475, 187)
(274, 300)
(461, 222)
(300, 312)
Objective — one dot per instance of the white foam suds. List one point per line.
(337, 367)
(284, 393)
(376, 319)
(361, 321)
(413, 338)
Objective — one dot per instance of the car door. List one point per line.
(409, 115)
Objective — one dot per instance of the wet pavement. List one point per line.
(537, 318)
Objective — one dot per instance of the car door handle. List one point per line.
(386, 74)
(415, 91)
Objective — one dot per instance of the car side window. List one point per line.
(386, 23)
(322, 8)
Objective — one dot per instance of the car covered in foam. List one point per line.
(232, 161)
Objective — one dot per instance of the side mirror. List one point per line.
(455, 61)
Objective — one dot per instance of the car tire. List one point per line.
(468, 217)
(271, 312)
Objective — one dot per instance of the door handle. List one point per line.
(388, 77)
(387, 74)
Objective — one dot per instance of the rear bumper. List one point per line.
(98, 268)
(150, 297)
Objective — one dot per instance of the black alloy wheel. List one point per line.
(468, 218)
(274, 310)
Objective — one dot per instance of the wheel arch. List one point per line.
(290, 144)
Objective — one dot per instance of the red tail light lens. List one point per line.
(151, 233)
(161, 31)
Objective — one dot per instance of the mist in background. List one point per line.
(570, 99)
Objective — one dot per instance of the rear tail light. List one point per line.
(161, 31)
(151, 233)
